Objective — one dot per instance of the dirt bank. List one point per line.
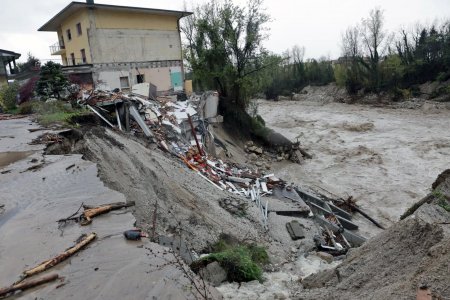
(393, 265)
(385, 158)
(183, 200)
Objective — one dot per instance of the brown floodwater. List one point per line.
(385, 158)
(7, 158)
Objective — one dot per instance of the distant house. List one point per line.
(115, 47)
(6, 68)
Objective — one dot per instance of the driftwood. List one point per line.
(27, 285)
(91, 212)
(61, 257)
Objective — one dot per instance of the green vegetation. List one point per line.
(224, 51)
(242, 262)
(53, 112)
(8, 96)
(376, 60)
(51, 82)
(441, 200)
(224, 48)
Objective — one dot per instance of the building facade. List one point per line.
(118, 46)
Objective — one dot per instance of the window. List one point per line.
(79, 29)
(83, 56)
(124, 82)
(72, 58)
(69, 35)
(140, 78)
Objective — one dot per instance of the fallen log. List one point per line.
(91, 212)
(27, 285)
(61, 257)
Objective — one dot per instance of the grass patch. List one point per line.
(58, 118)
(55, 112)
(242, 262)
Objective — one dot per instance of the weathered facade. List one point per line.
(7, 65)
(119, 46)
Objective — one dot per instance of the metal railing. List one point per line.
(74, 62)
(57, 48)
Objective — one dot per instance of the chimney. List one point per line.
(90, 2)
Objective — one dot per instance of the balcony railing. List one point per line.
(74, 62)
(57, 49)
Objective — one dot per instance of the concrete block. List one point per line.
(295, 230)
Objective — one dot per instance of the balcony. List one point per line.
(57, 49)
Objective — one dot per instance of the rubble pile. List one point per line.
(182, 128)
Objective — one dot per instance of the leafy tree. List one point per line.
(52, 81)
(224, 48)
(31, 63)
(8, 96)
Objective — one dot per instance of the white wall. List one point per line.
(109, 80)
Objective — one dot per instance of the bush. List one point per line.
(26, 91)
(242, 262)
(8, 96)
(26, 108)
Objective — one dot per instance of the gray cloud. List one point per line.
(315, 24)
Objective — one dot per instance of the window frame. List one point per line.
(142, 76)
(72, 58)
(83, 56)
(128, 81)
(79, 29)
(69, 34)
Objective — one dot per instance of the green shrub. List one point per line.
(242, 262)
(26, 108)
(55, 112)
(8, 96)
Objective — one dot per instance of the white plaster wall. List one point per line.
(109, 80)
(157, 76)
(133, 45)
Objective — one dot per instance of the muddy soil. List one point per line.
(159, 183)
(32, 201)
(385, 158)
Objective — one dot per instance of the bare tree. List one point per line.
(297, 54)
(350, 43)
(376, 41)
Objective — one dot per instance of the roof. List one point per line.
(6, 53)
(54, 23)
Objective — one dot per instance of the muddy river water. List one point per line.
(385, 158)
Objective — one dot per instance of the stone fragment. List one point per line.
(325, 256)
(214, 273)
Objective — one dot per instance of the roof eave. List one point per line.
(53, 24)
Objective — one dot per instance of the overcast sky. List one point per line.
(315, 24)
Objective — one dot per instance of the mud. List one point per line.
(7, 158)
(110, 267)
(385, 158)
